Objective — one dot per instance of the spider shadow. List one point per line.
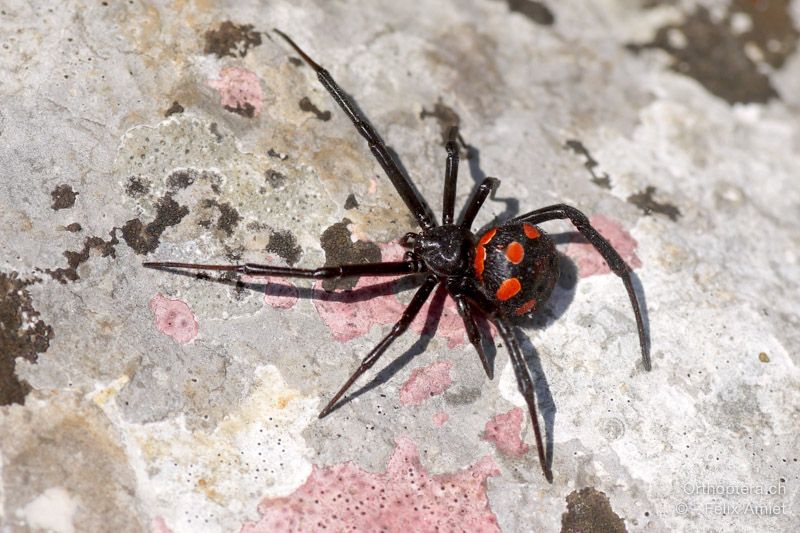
(569, 278)
(404, 172)
(273, 288)
(544, 398)
(511, 208)
(420, 346)
(559, 301)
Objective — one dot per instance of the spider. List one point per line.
(508, 271)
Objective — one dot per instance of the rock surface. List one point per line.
(135, 400)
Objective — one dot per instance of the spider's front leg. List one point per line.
(450, 177)
(610, 255)
(391, 268)
(402, 184)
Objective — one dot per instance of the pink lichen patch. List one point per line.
(159, 525)
(450, 325)
(504, 431)
(351, 314)
(174, 318)
(279, 293)
(426, 382)
(439, 418)
(404, 498)
(239, 91)
(589, 260)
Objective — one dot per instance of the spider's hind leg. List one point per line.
(473, 333)
(525, 384)
(610, 255)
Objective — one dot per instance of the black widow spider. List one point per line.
(509, 271)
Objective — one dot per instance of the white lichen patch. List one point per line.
(213, 480)
(52, 511)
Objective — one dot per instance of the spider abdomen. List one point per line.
(516, 266)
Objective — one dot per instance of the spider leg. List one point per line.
(525, 384)
(398, 329)
(404, 187)
(476, 202)
(450, 177)
(473, 333)
(393, 268)
(610, 255)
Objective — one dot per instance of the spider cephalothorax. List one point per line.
(509, 270)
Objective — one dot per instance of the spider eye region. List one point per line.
(516, 266)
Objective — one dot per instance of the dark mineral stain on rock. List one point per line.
(589, 510)
(340, 249)
(275, 179)
(284, 244)
(228, 217)
(137, 186)
(180, 179)
(246, 110)
(351, 202)
(234, 253)
(74, 227)
(773, 31)
(716, 55)
(445, 115)
(144, 238)
(214, 129)
(22, 334)
(538, 12)
(462, 396)
(63, 197)
(174, 109)
(77, 258)
(231, 39)
(307, 106)
(600, 179)
(183, 178)
(644, 200)
(273, 153)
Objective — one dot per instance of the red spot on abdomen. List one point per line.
(480, 260)
(480, 252)
(524, 308)
(508, 289)
(530, 231)
(515, 252)
(488, 236)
